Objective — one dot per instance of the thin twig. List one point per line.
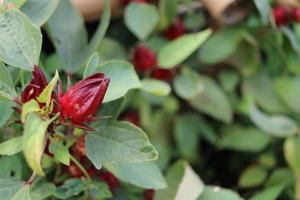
(31, 179)
(75, 161)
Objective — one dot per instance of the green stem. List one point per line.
(297, 187)
(73, 159)
(31, 179)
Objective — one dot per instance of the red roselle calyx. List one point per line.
(164, 74)
(144, 58)
(149, 194)
(82, 101)
(79, 148)
(175, 30)
(296, 14)
(36, 85)
(281, 15)
(111, 181)
(133, 117)
(74, 171)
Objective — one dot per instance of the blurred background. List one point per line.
(220, 98)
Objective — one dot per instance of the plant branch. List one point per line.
(31, 179)
(75, 161)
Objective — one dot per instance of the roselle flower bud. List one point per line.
(110, 180)
(132, 117)
(149, 194)
(79, 148)
(36, 85)
(82, 101)
(144, 58)
(296, 14)
(176, 30)
(281, 15)
(74, 171)
(164, 74)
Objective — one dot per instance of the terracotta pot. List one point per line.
(288, 3)
(9, 5)
(92, 9)
(228, 12)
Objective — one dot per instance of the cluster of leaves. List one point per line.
(222, 112)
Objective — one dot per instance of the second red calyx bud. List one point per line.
(284, 15)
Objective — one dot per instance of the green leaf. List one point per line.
(11, 167)
(267, 160)
(21, 41)
(180, 49)
(264, 8)
(60, 151)
(280, 176)
(5, 110)
(70, 41)
(92, 65)
(101, 30)
(228, 39)
(187, 135)
(206, 131)
(217, 193)
(288, 90)
(22, 194)
(29, 107)
(39, 11)
(45, 96)
(119, 142)
(291, 153)
(186, 85)
(253, 177)
(155, 43)
(71, 187)
(194, 20)
(183, 183)
(52, 63)
(269, 193)
(246, 57)
(212, 100)
(42, 191)
(122, 79)
(279, 179)
(228, 80)
(204, 94)
(11, 146)
(99, 190)
(168, 12)
(34, 140)
(10, 190)
(144, 175)
(244, 139)
(112, 110)
(141, 19)
(262, 89)
(291, 38)
(156, 87)
(276, 125)
(111, 49)
(6, 83)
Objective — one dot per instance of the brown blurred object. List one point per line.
(228, 12)
(288, 3)
(9, 5)
(92, 9)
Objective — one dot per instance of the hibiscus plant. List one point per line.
(162, 101)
